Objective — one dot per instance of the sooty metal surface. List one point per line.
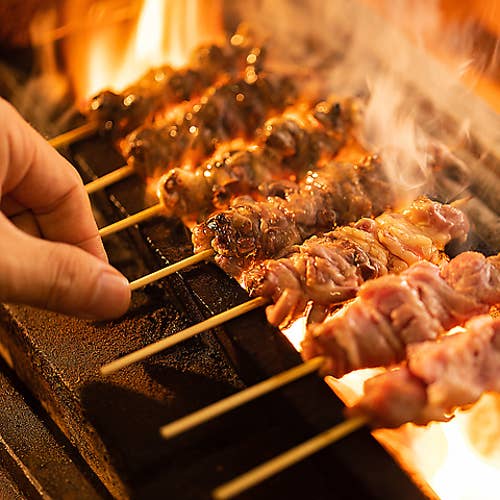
(36, 459)
(114, 422)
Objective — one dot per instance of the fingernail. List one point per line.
(112, 296)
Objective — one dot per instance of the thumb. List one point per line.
(59, 277)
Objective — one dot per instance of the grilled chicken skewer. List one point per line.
(286, 147)
(232, 110)
(328, 270)
(166, 86)
(394, 311)
(251, 231)
(438, 377)
(242, 308)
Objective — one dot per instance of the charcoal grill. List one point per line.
(113, 423)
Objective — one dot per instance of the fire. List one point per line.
(113, 56)
(295, 333)
(455, 460)
(479, 465)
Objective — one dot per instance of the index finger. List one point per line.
(41, 180)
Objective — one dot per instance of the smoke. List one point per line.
(345, 48)
(390, 129)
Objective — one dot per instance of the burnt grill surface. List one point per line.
(114, 422)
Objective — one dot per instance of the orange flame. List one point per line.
(114, 55)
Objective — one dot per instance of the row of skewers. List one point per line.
(305, 233)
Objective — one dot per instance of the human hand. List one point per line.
(51, 255)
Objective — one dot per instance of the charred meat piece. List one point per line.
(438, 378)
(251, 231)
(288, 145)
(395, 311)
(326, 270)
(232, 110)
(166, 86)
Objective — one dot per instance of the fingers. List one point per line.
(59, 277)
(34, 176)
(44, 196)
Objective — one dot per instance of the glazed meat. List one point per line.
(439, 377)
(395, 311)
(287, 146)
(166, 86)
(326, 270)
(232, 110)
(251, 231)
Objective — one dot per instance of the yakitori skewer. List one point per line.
(164, 86)
(395, 311)
(234, 109)
(286, 147)
(287, 459)
(361, 248)
(340, 261)
(469, 285)
(250, 231)
(455, 226)
(296, 211)
(437, 379)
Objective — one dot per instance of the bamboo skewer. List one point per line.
(131, 220)
(74, 135)
(108, 179)
(173, 268)
(287, 459)
(209, 412)
(163, 344)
